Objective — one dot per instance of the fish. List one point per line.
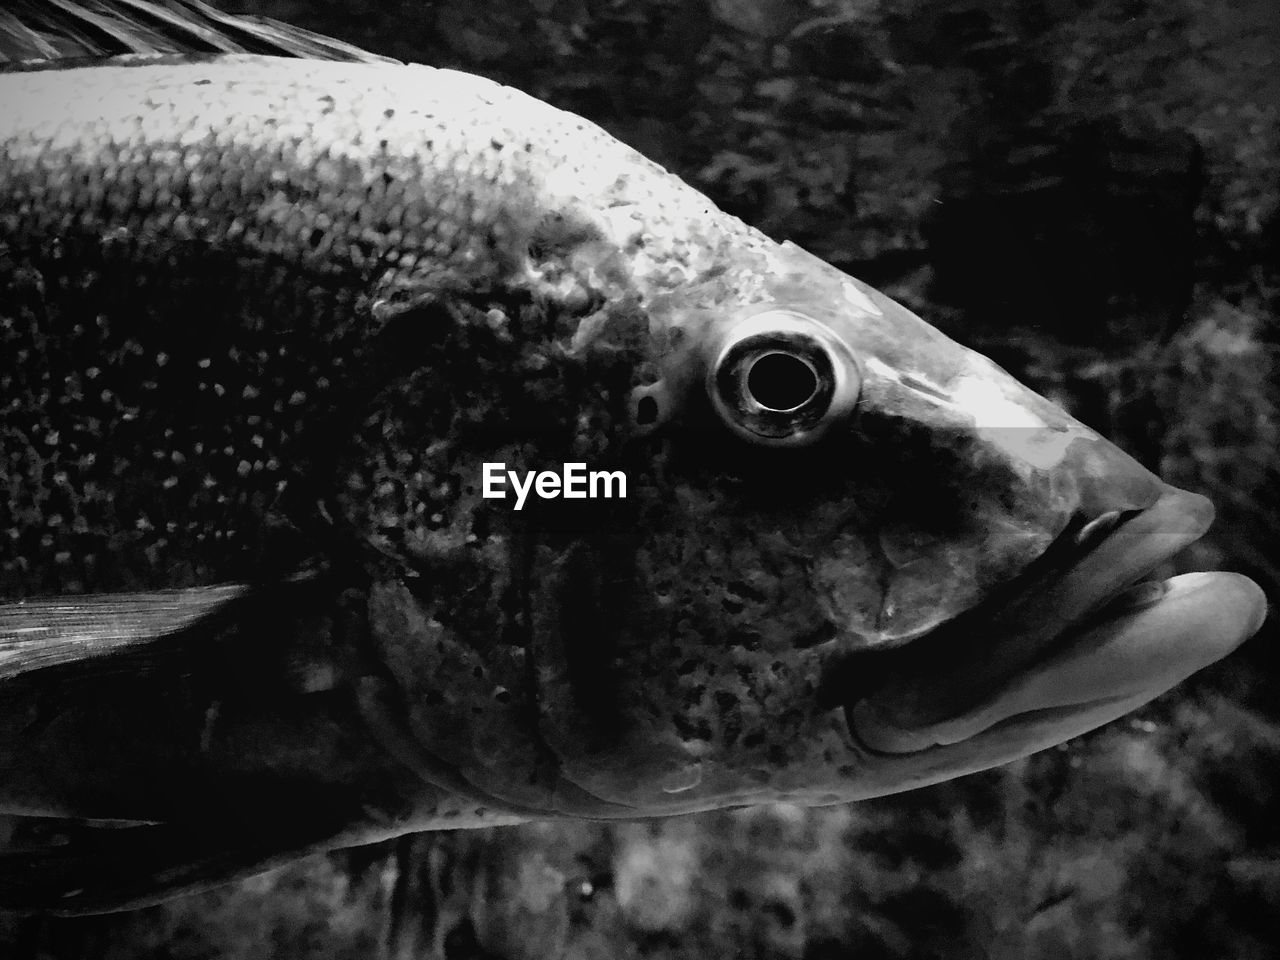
(271, 310)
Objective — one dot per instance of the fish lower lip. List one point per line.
(967, 661)
(1100, 671)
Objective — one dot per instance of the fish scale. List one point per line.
(257, 294)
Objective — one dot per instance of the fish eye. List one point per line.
(782, 378)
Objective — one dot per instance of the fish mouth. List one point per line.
(1078, 640)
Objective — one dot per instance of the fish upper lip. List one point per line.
(971, 656)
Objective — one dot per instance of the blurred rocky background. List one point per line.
(1088, 191)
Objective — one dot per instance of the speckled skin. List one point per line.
(261, 317)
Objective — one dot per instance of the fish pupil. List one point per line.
(781, 381)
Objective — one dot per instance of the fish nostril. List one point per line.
(646, 411)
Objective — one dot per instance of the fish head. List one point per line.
(853, 556)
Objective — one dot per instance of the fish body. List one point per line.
(264, 322)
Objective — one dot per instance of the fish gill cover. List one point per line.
(266, 320)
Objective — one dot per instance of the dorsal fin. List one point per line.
(39, 31)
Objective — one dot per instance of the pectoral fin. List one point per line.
(159, 743)
(48, 632)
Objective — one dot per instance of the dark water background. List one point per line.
(1088, 191)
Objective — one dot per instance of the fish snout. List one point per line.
(1068, 650)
